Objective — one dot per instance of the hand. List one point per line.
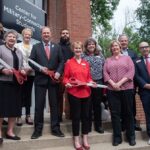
(23, 72)
(68, 85)
(57, 75)
(116, 87)
(28, 70)
(147, 86)
(7, 71)
(93, 84)
(44, 70)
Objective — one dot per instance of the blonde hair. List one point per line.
(26, 29)
(77, 43)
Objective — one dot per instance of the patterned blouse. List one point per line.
(96, 65)
(116, 69)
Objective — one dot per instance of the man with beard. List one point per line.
(65, 45)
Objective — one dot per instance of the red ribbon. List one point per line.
(75, 82)
(19, 76)
(51, 74)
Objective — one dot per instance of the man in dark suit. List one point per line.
(48, 55)
(142, 76)
(123, 39)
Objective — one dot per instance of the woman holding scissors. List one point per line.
(79, 96)
(10, 89)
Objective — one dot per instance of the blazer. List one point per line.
(132, 54)
(6, 55)
(55, 62)
(141, 75)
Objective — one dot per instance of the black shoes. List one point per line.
(19, 121)
(12, 137)
(99, 130)
(28, 120)
(137, 127)
(5, 122)
(1, 141)
(132, 142)
(57, 133)
(116, 143)
(36, 135)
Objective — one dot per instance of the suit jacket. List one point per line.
(55, 62)
(6, 55)
(141, 75)
(132, 54)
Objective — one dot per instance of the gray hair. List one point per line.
(121, 35)
(11, 31)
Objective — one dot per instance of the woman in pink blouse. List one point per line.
(118, 74)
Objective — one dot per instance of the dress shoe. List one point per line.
(99, 130)
(1, 141)
(5, 122)
(132, 142)
(19, 121)
(57, 133)
(12, 137)
(28, 120)
(137, 127)
(116, 143)
(36, 135)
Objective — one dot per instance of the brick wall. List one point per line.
(74, 15)
(139, 110)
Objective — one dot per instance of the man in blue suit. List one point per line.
(48, 55)
(123, 39)
(142, 76)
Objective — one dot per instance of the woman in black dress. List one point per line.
(10, 89)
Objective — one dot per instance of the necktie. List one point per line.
(148, 65)
(47, 51)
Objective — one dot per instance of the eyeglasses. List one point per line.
(143, 47)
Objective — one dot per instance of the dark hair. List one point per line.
(63, 30)
(86, 51)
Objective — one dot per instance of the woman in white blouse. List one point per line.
(25, 46)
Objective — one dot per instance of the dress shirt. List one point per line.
(125, 52)
(116, 69)
(79, 71)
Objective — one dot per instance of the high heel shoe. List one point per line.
(19, 121)
(86, 147)
(79, 148)
(28, 120)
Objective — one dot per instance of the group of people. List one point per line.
(76, 70)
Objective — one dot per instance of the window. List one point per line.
(40, 3)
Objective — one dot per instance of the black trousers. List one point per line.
(79, 108)
(121, 102)
(145, 98)
(40, 98)
(95, 107)
(26, 94)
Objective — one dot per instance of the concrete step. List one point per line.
(141, 145)
(49, 141)
(65, 127)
